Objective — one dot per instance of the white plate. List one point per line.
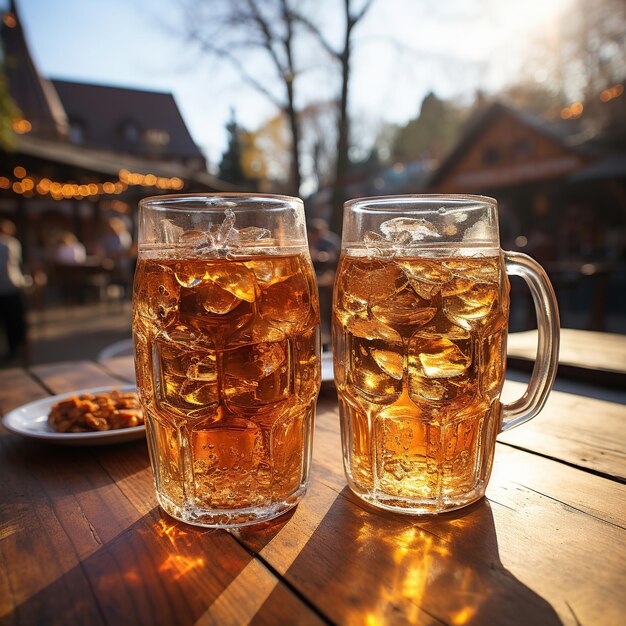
(31, 420)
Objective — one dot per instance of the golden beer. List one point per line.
(227, 362)
(419, 348)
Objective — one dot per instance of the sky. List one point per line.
(451, 47)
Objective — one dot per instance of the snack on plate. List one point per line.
(88, 412)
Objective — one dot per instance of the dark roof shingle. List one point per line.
(102, 111)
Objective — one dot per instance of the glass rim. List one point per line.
(386, 203)
(157, 202)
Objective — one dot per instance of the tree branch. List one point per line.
(223, 53)
(364, 9)
(314, 30)
(264, 27)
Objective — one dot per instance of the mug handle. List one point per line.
(547, 359)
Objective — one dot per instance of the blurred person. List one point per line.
(541, 246)
(117, 248)
(117, 240)
(69, 251)
(12, 283)
(325, 247)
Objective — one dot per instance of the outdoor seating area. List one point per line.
(313, 313)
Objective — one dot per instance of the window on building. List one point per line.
(131, 131)
(523, 147)
(157, 138)
(491, 155)
(77, 132)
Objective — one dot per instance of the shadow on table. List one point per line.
(365, 566)
(51, 469)
(155, 571)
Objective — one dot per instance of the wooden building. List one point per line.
(562, 199)
(542, 175)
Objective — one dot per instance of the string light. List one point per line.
(21, 126)
(28, 184)
(9, 20)
(572, 111)
(611, 93)
(150, 180)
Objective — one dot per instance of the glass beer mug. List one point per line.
(227, 354)
(420, 316)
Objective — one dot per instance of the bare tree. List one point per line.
(231, 29)
(239, 27)
(343, 56)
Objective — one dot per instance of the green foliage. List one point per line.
(431, 134)
(231, 169)
(8, 112)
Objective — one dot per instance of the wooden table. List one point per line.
(82, 540)
(597, 358)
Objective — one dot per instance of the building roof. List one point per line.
(612, 166)
(34, 95)
(110, 163)
(479, 123)
(126, 120)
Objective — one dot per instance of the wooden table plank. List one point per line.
(547, 547)
(17, 388)
(585, 432)
(586, 355)
(120, 366)
(80, 547)
(73, 375)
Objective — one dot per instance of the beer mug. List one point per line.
(227, 354)
(420, 314)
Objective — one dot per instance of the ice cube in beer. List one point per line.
(156, 294)
(254, 330)
(235, 278)
(441, 370)
(375, 369)
(286, 304)
(188, 274)
(425, 271)
(372, 329)
(370, 280)
(270, 270)
(441, 358)
(256, 375)
(480, 270)
(425, 277)
(471, 307)
(366, 341)
(213, 311)
(405, 311)
(186, 382)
